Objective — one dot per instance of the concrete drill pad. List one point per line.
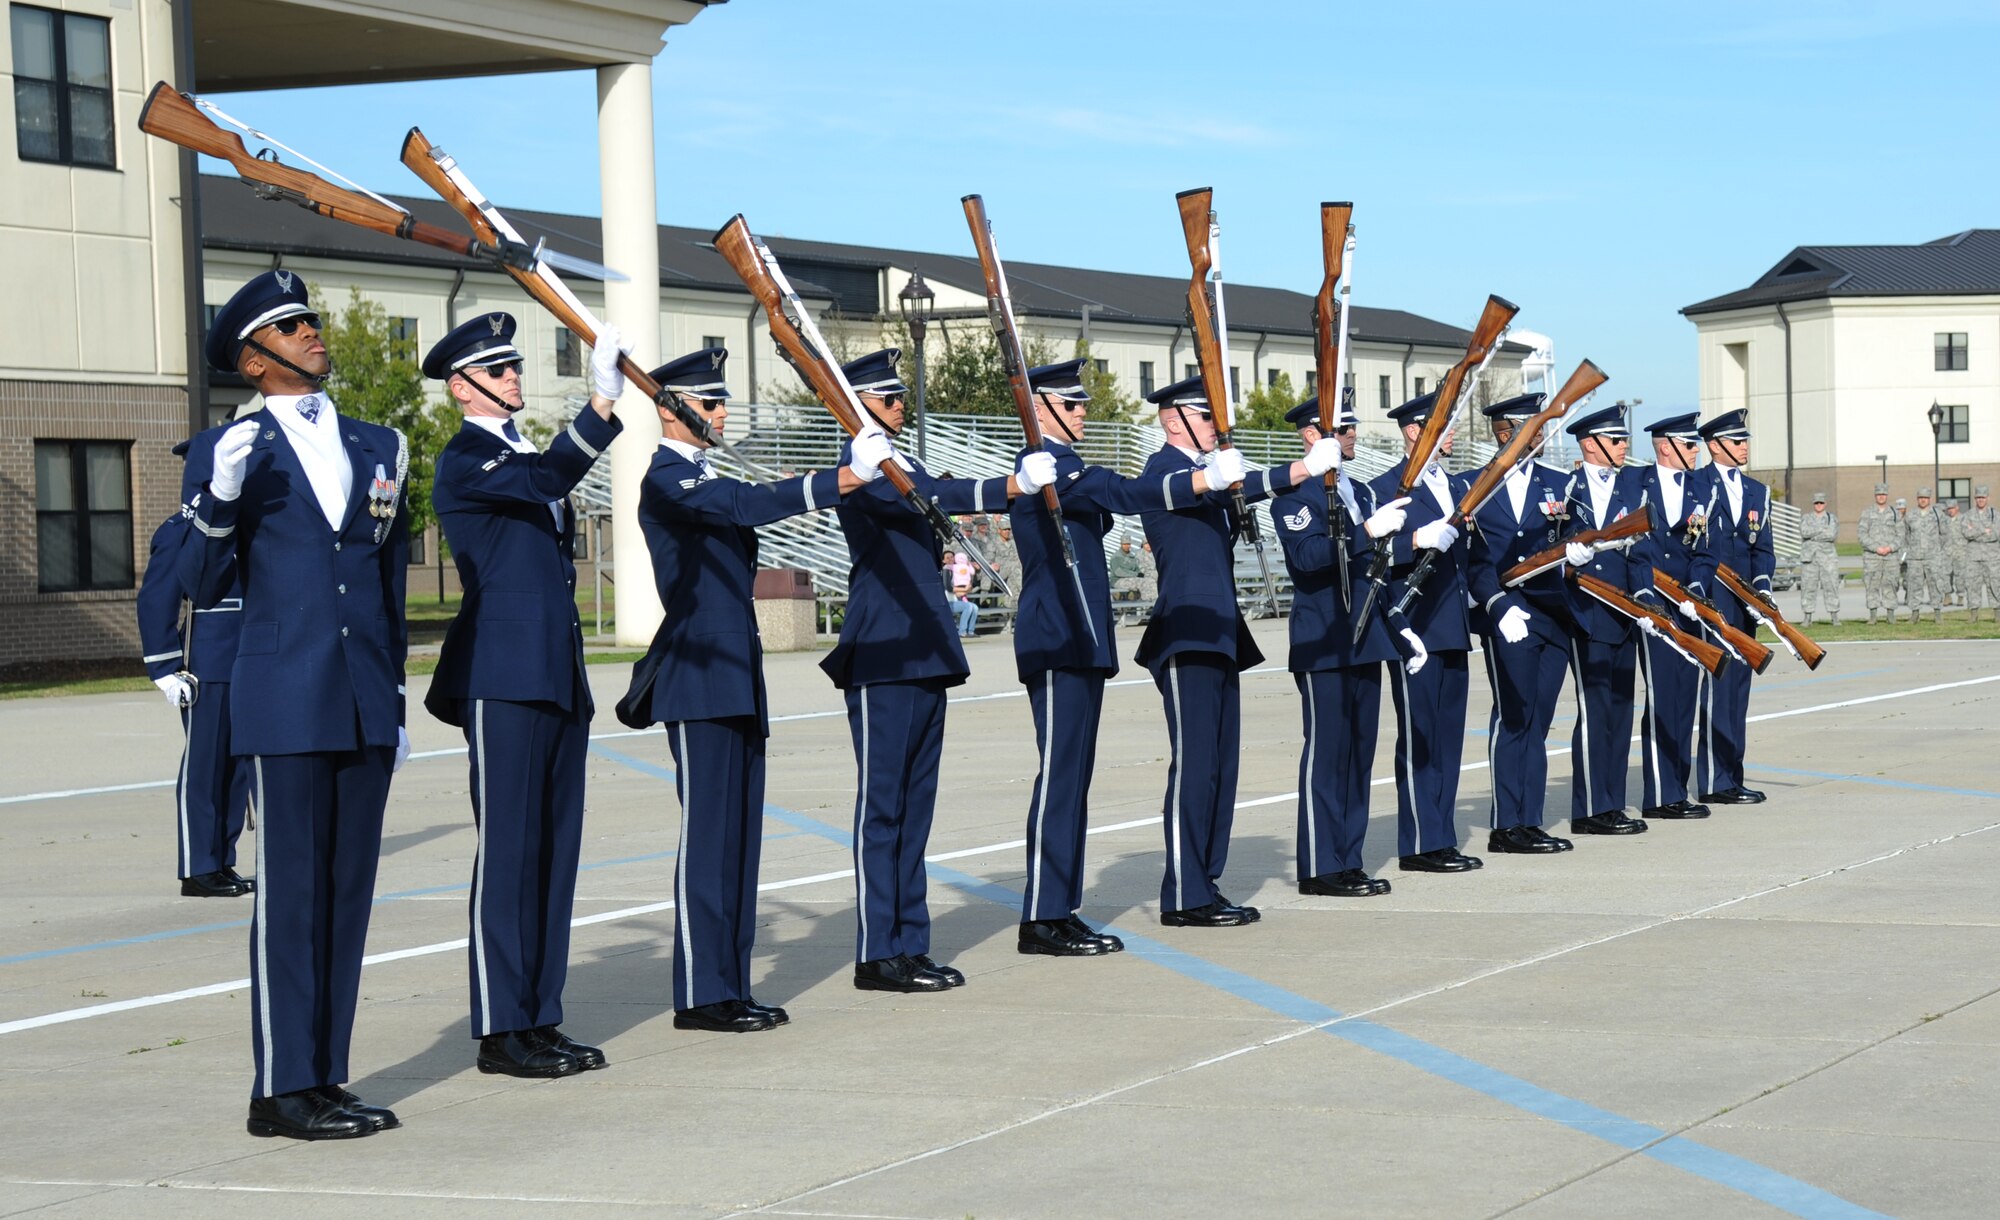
(1740, 959)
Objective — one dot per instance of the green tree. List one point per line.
(376, 377)
(1266, 404)
(1108, 400)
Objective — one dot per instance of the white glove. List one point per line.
(605, 376)
(1514, 625)
(1578, 554)
(1688, 611)
(870, 450)
(1388, 519)
(1226, 468)
(1037, 471)
(1437, 536)
(178, 690)
(1649, 627)
(1418, 653)
(402, 749)
(232, 454)
(1323, 456)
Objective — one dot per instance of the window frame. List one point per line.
(82, 514)
(1146, 385)
(1956, 427)
(569, 353)
(60, 84)
(1950, 356)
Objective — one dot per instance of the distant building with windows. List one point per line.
(1840, 352)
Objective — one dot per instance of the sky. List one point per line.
(1599, 164)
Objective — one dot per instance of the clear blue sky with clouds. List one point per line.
(1600, 164)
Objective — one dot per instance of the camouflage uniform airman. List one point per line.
(1956, 581)
(1923, 542)
(1819, 562)
(1981, 530)
(1881, 533)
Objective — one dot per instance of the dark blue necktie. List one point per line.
(508, 430)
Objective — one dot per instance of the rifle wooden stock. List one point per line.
(172, 117)
(1803, 646)
(1525, 439)
(1197, 215)
(1708, 656)
(1335, 227)
(1492, 324)
(1755, 654)
(1629, 526)
(1014, 360)
(417, 155)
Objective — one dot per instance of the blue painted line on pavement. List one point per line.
(1878, 781)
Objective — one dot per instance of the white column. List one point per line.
(632, 245)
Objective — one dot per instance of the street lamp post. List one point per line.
(915, 302)
(1884, 459)
(1936, 414)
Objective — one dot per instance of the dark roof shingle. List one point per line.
(1965, 263)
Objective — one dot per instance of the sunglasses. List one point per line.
(290, 326)
(501, 369)
(892, 400)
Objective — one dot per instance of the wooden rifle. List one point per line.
(1000, 310)
(1619, 534)
(1526, 439)
(1336, 240)
(799, 340)
(1485, 340)
(1739, 644)
(1698, 651)
(1802, 646)
(1210, 322)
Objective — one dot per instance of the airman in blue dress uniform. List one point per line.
(1604, 651)
(1673, 727)
(703, 678)
(1063, 665)
(1429, 686)
(1197, 643)
(510, 676)
(1739, 536)
(1340, 682)
(898, 654)
(302, 508)
(1528, 630)
(189, 656)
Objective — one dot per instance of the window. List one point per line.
(1420, 387)
(569, 353)
(1955, 491)
(83, 515)
(1271, 378)
(62, 87)
(403, 338)
(1146, 385)
(1103, 367)
(709, 341)
(1312, 382)
(1382, 390)
(1949, 348)
(1235, 384)
(1956, 427)
(1190, 370)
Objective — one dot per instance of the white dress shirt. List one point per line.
(1673, 490)
(317, 442)
(1517, 489)
(1436, 482)
(1600, 480)
(497, 425)
(1732, 485)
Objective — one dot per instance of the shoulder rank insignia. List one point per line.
(498, 460)
(688, 484)
(1299, 520)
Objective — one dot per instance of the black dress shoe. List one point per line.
(1212, 915)
(249, 884)
(898, 973)
(724, 1017)
(589, 1058)
(1732, 796)
(1515, 840)
(1111, 943)
(778, 1015)
(1347, 883)
(1440, 860)
(305, 1115)
(382, 1118)
(1055, 938)
(1682, 808)
(220, 884)
(520, 1053)
(1251, 914)
(1613, 823)
(1752, 795)
(1542, 836)
(951, 977)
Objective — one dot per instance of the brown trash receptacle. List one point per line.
(787, 610)
(783, 584)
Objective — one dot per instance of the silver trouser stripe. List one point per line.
(260, 941)
(860, 830)
(576, 438)
(214, 531)
(681, 865)
(1405, 733)
(485, 996)
(187, 755)
(1309, 779)
(161, 656)
(1174, 794)
(1041, 810)
(1492, 735)
(1583, 728)
(1650, 730)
